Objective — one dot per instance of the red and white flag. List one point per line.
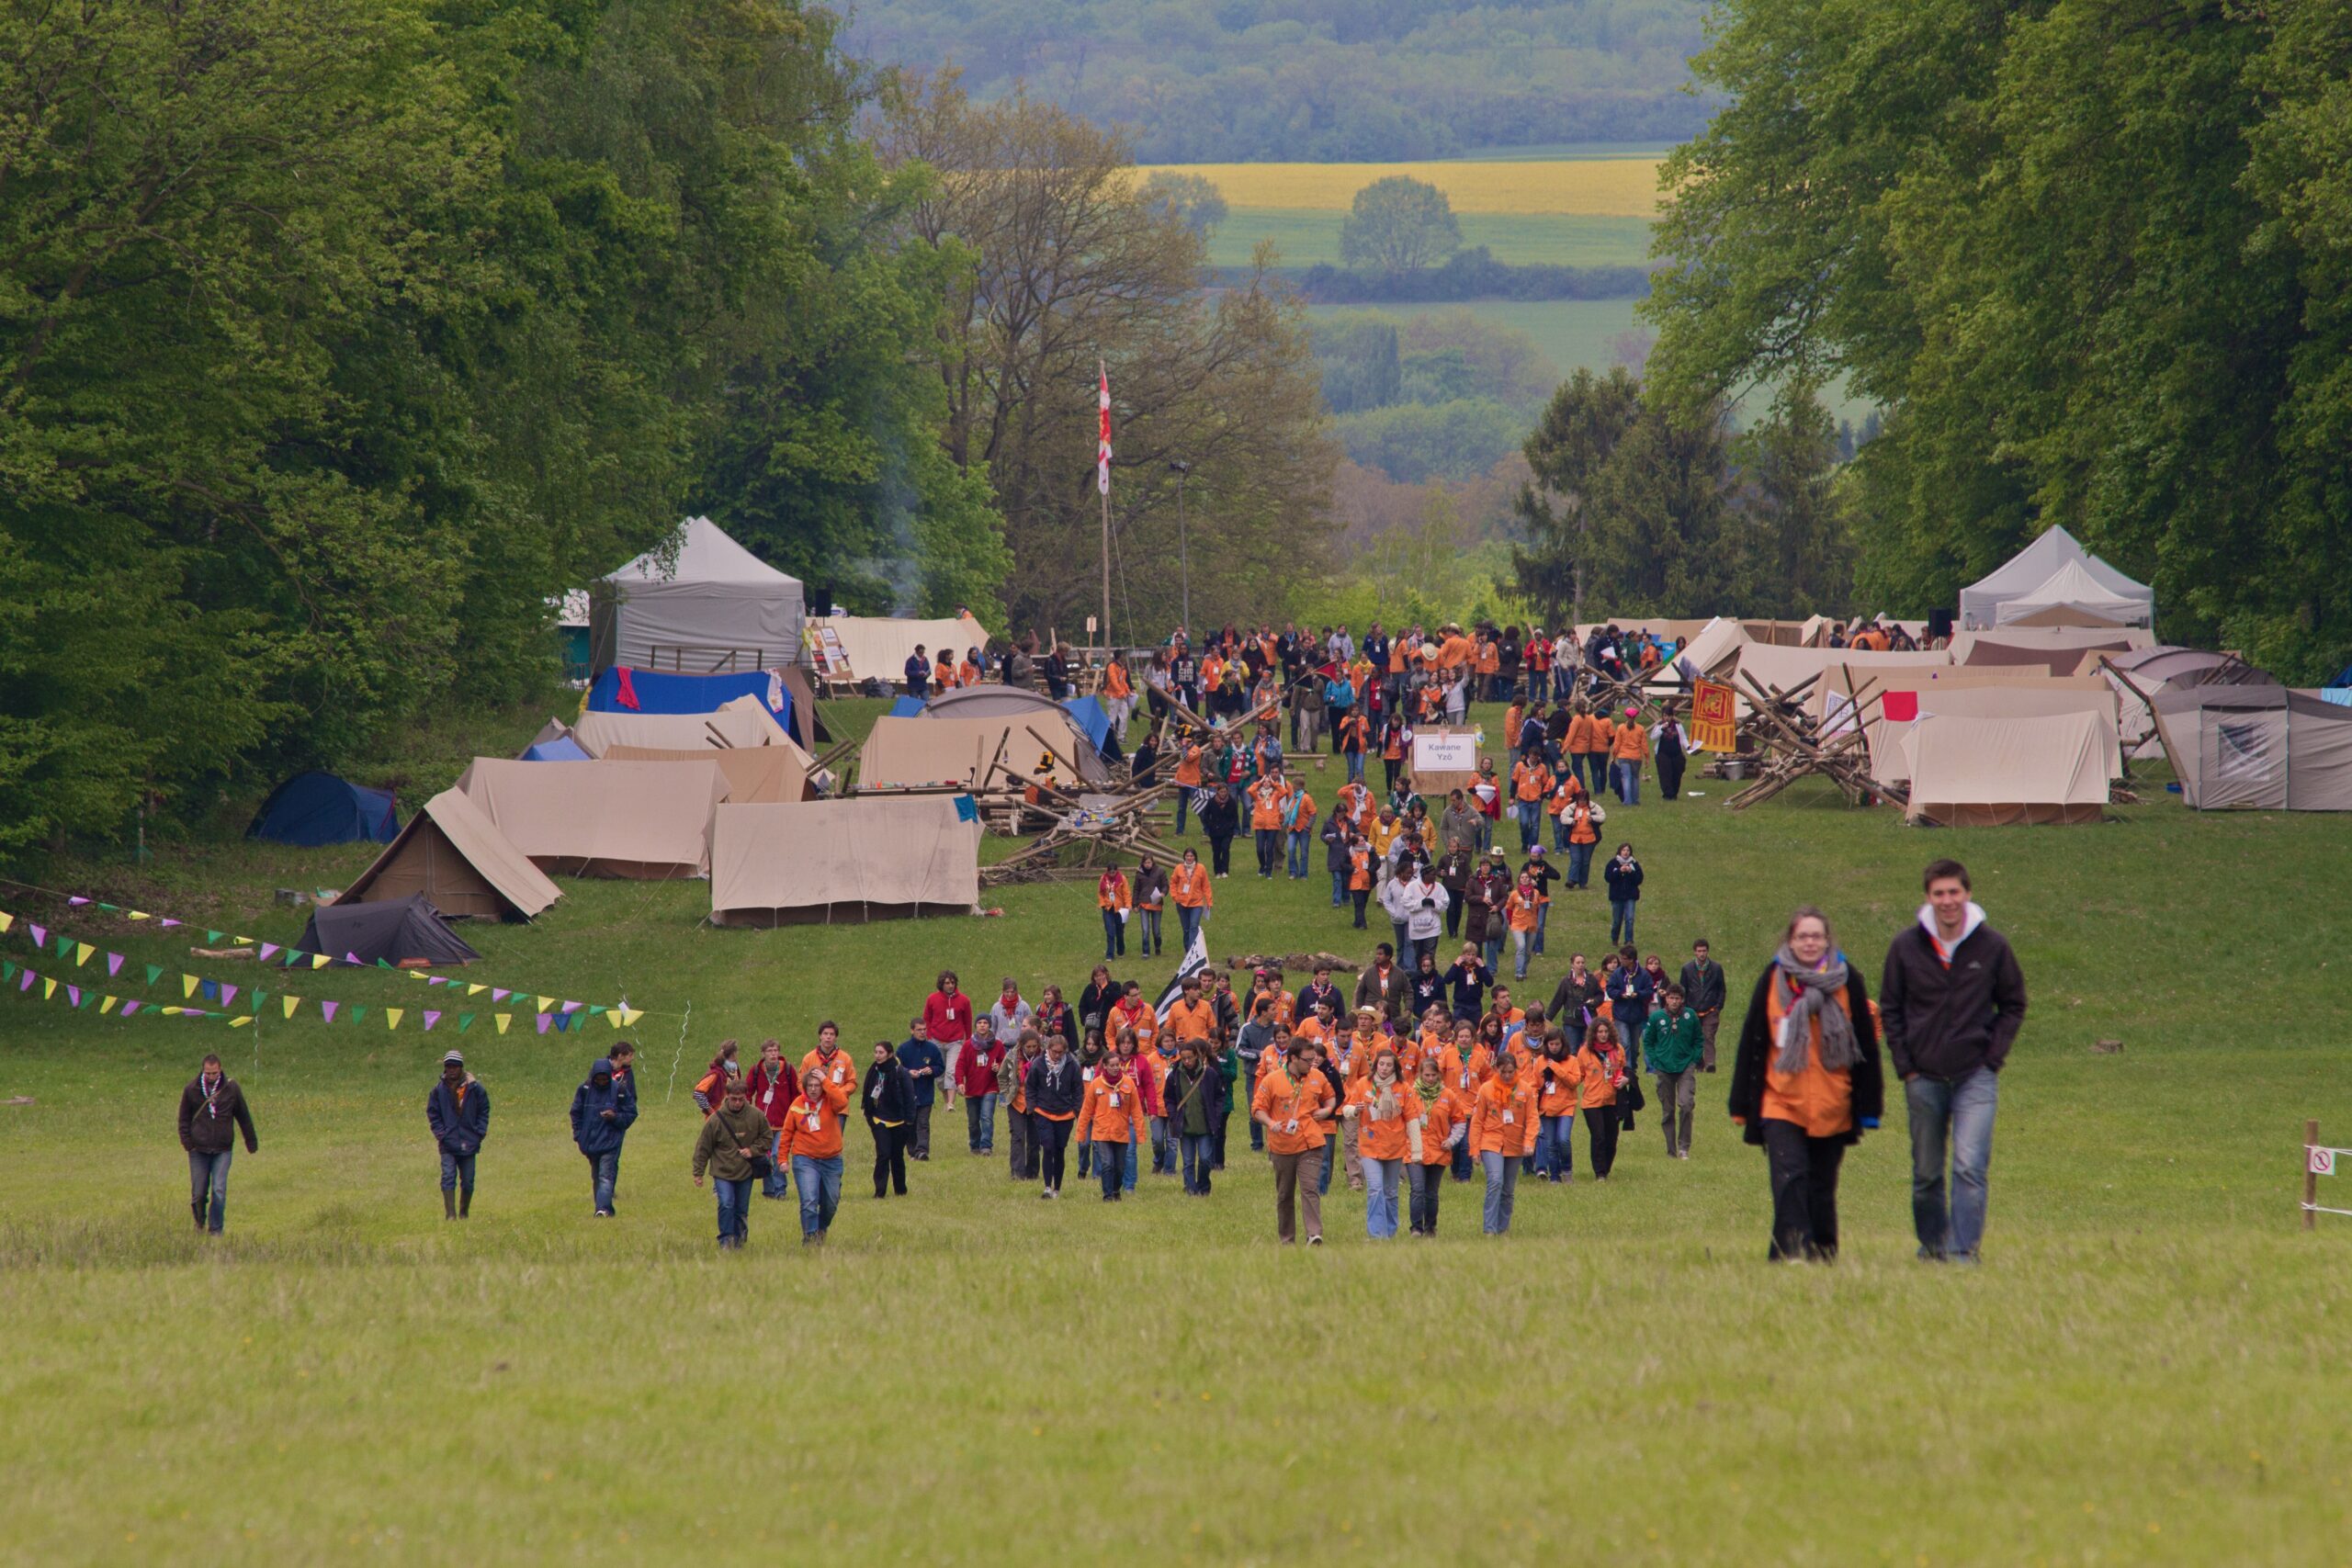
(1103, 436)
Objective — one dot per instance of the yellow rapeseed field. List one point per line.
(1574, 188)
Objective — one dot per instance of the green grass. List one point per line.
(1571, 333)
(1305, 237)
(2149, 1366)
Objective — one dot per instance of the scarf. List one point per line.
(1817, 999)
(1430, 1092)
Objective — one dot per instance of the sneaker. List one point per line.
(603, 1214)
(1315, 1241)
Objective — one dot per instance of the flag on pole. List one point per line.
(1103, 433)
(1196, 962)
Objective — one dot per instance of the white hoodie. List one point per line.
(1927, 924)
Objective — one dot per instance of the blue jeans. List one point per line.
(1382, 1178)
(1331, 1153)
(734, 1210)
(1114, 935)
(1338, 890)
(1519, 943)
(603, 1172)
(1188, 920)
(1502, 1185)
(1112, 1164)
(819, 1182)
(1270, 848)
(1492, 949)
(457, 1171)
(1954, 1115)
(1543, 920)
(979, 1121)
(1130, 1155)
(1163, 1151)
(1152, 942)
(1464, 1161)
(1355, 767)
(208, 1188)
(1198, 1160)
(1299, 840)
(779, 1178)
(1555, 1155)
(1530, 824)
(1620, 919)
(1579, 866)
(1629, 780)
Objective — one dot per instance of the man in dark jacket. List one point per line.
(1951, 1003)
(601, 1110)
(212, 1111)
(732, 1142)
(458, 1109)
(918, 673)
(1703, 988)
(1384, 982)
(925, 1067)
(1221, 819)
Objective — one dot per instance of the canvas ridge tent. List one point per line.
(1892, 712)
(710, 606)
(456, 858)
(743, 721)
(2258, 747)
(756, 774)
(646, 820)
(1989, 773)
(843, 859)
(406, 934)
(973, 753)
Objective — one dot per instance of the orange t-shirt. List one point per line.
(1502, 1117)
(1281, 1100)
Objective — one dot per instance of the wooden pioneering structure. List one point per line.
(1791, 743)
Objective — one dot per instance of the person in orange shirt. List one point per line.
(1576, 747)
(810, 1139)
(1268, 798)
(1602, 1069)
(1359, 875)
(943, 672)
(1454, 652)
(1380, 1109)
(1111, 1117)
(1187, 777)
(1294, 1104)
(1188, 886)
(1531, 783)
(968, 672)
(1436, 1131)
(1556, 1080)
(1488, 663)
(1118, 697)
(1807, 1081)
(1113, 897)
(829, 1059)
(1502, 1128)
(1520, 911)
(1298, 822)
(1628, 748)
(1514, 724)
(1354, 738)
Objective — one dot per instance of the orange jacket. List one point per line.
(1599, 1076)
(1514, 720)
(1580, 821)
(1189, 886)
(1115, 680)
(1191, 1021)
(1530, 780)
(1502, 1118)
(1188, 766)
(1360, 868)
(1438, 1117)
(1604, 733)
(1111, 893)
(1111, 1112)
(1382, 1136)
(1280, 1101)
(1490, 659)
(840, 1072)
(1267, 798)
(1454, 652)
(1306, 808)
(1555, 1084)
(813, 1130)
(1581, 734)
(1633, 743)
(1521, 906)
(967, 673)
(1462, 1077)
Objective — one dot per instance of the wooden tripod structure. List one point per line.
(1790, 744)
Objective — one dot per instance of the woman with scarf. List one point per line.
(1557, 1078)
(1439, 1126)
(888, 1099)
(711, 1087)
(1053, 1014)
(1381, 1115)
(1806, 1081)
(1095, 1002)
(1602, 1070)
(1150, 896)
(1117, 901)
(1502, 1130)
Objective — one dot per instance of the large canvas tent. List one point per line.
(1992, 772)
(314, 809)
(1020, 702)
(646, 820)
(1980, 602)
(761, 774)
(973, 752)
(2072, 588)
(2258, 747)
(876, 648)
(1902, 704)
(701, 606)
(843, 859)
(455, 857)
(406, 934)
(742, 722)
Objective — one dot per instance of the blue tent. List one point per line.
(1088, 715)
(659, 693)
(907, 707)
(562, 749)
(316, 808)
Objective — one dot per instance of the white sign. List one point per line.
(1437, 752)
(2322, 1161)
(1090, 625)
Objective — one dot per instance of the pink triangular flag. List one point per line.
(351, 958)
(27, 983)
(40, 936)
(227, 995)
(73, 995)
(430, 1019)
(129, 1008)
(267, 949)
(328, 1008)
(76, 903)
(169, 924)
(114, 965)
(496, 994)
(572, 1006)
(543, 1024)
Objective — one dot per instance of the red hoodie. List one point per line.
(975, 1069)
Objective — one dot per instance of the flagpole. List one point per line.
(1103, 484)
(1107, 573)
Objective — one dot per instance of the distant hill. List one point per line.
(1316, 80)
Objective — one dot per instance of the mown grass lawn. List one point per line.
(2149, 1366)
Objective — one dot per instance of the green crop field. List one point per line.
(2149, 1367)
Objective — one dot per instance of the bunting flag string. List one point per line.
(553, 1013)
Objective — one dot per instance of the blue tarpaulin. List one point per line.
(657, 691)
(562, 749)
(907, 707)
(1088, 715)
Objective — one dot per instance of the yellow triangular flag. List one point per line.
(547, 1004)
(417, 974)
(82, 951)
(504, 1019)
(187, 984)
(627, 1015)
(49, 989)
(289, 1004)
(174, 1012)
(241, 1022)
(242, 940)
(140, 914)
(392, 1017)
(320, 961)
(470, 990)
(7, 920)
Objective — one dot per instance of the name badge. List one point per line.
(1507, 1118)
(813, 1121)
(1115, 1102)
(1087, 1074)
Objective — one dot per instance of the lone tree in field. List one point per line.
(1400, 224)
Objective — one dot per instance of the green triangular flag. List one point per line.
(383, 964)
(213, 937)
(358, 1012)
(255, 999)
(109, 909)
(64, 946)
(594, 1009)
(154, 972)
(465, 1021)
(10, 974)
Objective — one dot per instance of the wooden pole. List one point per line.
(2310, 1177)
(1106, 562)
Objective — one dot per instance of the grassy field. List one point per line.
(1305, 237)
(1574, 188)
(2149, 1366)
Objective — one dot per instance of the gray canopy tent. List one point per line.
(701, 604)
(2033, 568)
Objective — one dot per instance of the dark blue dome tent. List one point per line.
(314, 809)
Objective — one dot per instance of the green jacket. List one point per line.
(1190, 1100)
(1672, 1044)
(723, 1133)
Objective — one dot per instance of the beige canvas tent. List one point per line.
(1841, 672)
(906, 752)
(459, 860)
(1996, 772)
(1000, 702)
(842, 860)
(1983, 694)
(742, 722)
(649, 820)
(876, 648)
(756, 774)
(2258, 747)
